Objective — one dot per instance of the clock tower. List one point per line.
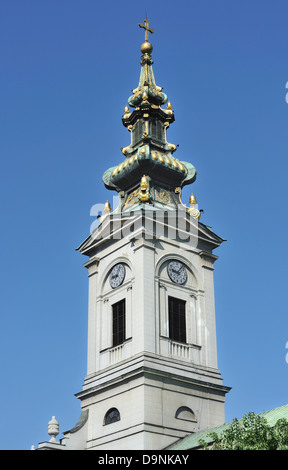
(152, 374)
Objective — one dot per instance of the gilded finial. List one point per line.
(126, 110)
(196, 214)
(169, 109)
(146, 47)
(192, 200)
(107, 207)
(147, 29)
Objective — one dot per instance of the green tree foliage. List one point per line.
(251, 433)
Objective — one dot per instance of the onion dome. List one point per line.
(149, 153)
(147, 90)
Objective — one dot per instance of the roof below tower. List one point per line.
(192, 441)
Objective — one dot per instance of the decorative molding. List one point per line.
(163, 286)
(92, 266)
(208, 259)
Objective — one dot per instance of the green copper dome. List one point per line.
(149, 153)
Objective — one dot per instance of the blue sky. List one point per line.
(67, 70)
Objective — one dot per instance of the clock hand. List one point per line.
(177, 271)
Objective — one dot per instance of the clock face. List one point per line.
(117, 275)
(177, 272)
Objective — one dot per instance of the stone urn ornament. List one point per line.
(53, 429)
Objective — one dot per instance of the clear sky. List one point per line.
(67, 70)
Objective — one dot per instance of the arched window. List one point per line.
(185, 413)
(112, 416)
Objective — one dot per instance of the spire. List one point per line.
(150, 157)
(147, 90)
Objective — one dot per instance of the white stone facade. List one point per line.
(161, 388)
(149, 377)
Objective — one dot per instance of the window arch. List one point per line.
(194, 275)
(104, 280)
(185, 413)
(112, 416)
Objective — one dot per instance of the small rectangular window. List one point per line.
(137, 132)
(118, 327)
(156, 130)
(177, 319)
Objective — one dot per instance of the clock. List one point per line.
(177, 272)
(117, 275)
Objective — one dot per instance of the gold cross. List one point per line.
(146, 27)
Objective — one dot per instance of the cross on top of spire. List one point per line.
(147, 29)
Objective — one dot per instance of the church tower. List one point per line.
(152, 374)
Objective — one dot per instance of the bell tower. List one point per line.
(152, 374)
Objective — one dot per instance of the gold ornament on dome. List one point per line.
(144, 194)
(146, 47)
(193, 211)
(107, 207)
